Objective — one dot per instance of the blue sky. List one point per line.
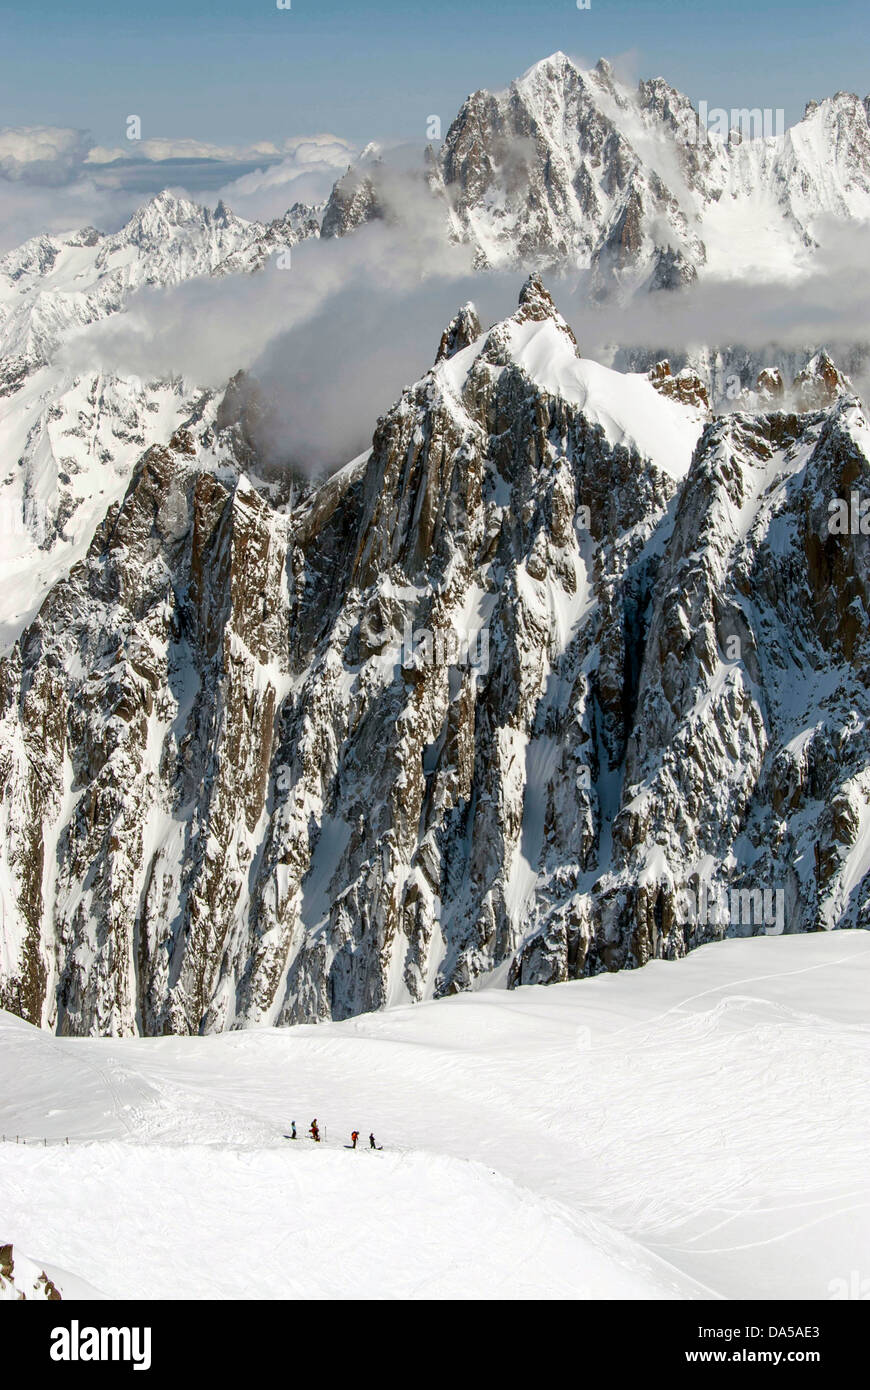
(230, 71)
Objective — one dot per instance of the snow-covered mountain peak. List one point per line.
(460, 333)
(836, 126)
(163, 214)
(166, 204)
(178, 221)
(535, 338)
(554, 69)
(537, 304)
(237, 796)
(472, 708)
(821, 384)
(536, 346)
(575, 168)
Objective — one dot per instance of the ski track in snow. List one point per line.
(630, 1135)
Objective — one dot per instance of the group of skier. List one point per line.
(314, 1131)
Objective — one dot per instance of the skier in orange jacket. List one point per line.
(354, 1137)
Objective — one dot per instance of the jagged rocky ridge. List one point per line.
(572, 169)
(70, 438)
(616, 184)
(248, 778)
(53, 284)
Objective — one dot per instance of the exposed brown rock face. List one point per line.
(542, 175)
(770, 384)
(460, 333)
(353, 201)
(575, 170)
(248, 776)
(820, 384)
(18, 1285)
(686, 386)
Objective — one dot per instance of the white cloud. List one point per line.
(353, 320)
(161, 149)
(55, 180)
(302, 150)
(30, 209)
(305, 174)
(356, 319)
(42, 153)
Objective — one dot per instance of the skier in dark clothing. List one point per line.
(372, 1144)
(354, 1137)
(293, 1128)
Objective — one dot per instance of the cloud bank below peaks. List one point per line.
(332, 340)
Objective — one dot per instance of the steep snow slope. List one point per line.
(567, 168)
(695, 1130)
(54, 284)
(575, 169)
(68, 442)
(232, 668)
(626, 407)
(557, 651)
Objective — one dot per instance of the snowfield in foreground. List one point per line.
(695, 1129)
